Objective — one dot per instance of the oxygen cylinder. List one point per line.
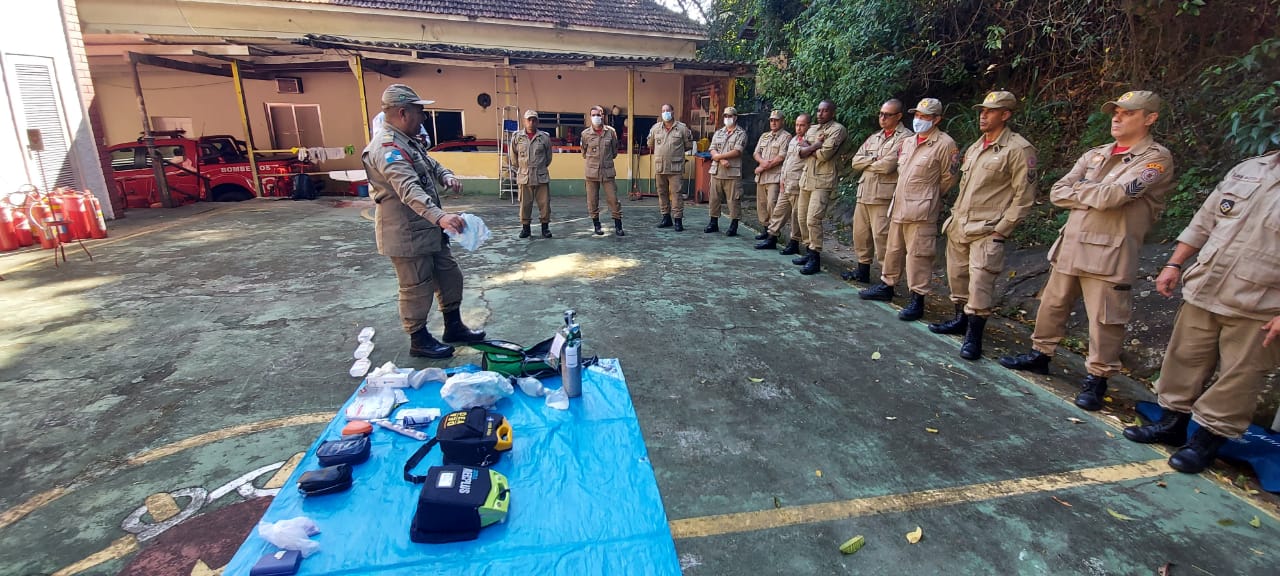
(571, 356)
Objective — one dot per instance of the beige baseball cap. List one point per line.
(999, 99)
(776, 115)
(531, 114)
(1134, 100)
(930, 106)
(730, 111)
(400, 95)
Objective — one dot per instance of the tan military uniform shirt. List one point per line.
(820, 167)
(1114, 199)
(997, 188)
(793, 165)
(669, 146)
(530, 157)
(878, 161)
(1237, 229)
(403, 183)
(724, 142)
(599, 149)
(772, 145)
(925, 172)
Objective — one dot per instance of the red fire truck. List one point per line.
(212, 168)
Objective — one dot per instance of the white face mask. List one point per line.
(597, 120)
(667, 116)
(728, 121)
(921, 126)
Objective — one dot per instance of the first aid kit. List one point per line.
(456, 502)
(474, 437)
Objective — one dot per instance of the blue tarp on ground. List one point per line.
(583, 497)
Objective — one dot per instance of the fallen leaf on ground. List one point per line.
(931, 430)
(915, 536)
(1257, 551)
(1251, 492)
(753, 379)
(817, 473)
(1241, 481)
(968, 397)
(1118, 516)
(1162, 484)
(1256, 522)
(875, 355)
(890, 417)
(1166, 570)
(1226, 522)
(853, 544)
(1198, 491)
(1109, 434)
(1075, 420)
(1061, 501)
(776, 502)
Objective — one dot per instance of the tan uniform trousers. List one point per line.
(870, 231)
(610, 194)
(811, 209)
(1108, 309)
(421, 278)
(915, 244)
(726, 191)
(530, 192)
(670, 201)
(784, 212)
(1202, 342)
(766, 199)
(972, 268)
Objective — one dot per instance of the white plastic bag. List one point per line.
(291, 534)
(468, 390)
(531, 386)
(433, 374)
(473, 235)
(558, 399)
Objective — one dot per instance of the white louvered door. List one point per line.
(37, 105)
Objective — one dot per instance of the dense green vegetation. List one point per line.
(1215, 62)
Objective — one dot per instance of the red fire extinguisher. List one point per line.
(75, 210)
(22, 227)
(57, 217)
(8, 233)
(97, 224)
(42, 218)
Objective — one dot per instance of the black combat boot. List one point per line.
(524, 230)
(617, 227)
(733, 228)
(914, 309)
(1199, 452)
(792, 247)
(546, 230)
(595, 222)
(712, 226)
(666, 221)
(769, 241)
(956, 325)
(679, 224)
(861, 274)
(971, 348)
(423, 345)
(1170, 430)
(1033, 361)
(803, 258)
(1092, 389)
(814, 265)
(764, 233)
(880, 292)
(456, 331)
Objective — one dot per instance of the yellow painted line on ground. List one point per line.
(277, 480)
(118, 549)
(32, 504)
(719, 524)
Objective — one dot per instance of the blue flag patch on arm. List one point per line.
(394, 155)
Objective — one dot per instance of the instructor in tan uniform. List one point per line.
(530, 155)
(877, 159)
(784, 211)
(927, 168)
(409, 224)
(599, 148)
(670, 141)
(1230, 318)
(997, 190)
(727, 146)
(770, 153)
(1115, 193)
(817, 183)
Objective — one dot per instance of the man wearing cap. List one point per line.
(1114, 193)
(727, 146)
(408, 224)
(817, 183)
(769, 154)
(1230, 317)
(927, 169)
(877, 159)
(670, 140)
(530, 155)
(997, 190)
(599, 148)
(784, 211)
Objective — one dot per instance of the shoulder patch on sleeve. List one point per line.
(393, 155)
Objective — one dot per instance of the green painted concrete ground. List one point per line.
(222, 315)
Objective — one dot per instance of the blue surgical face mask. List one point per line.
(667, 116)
(921, 126)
